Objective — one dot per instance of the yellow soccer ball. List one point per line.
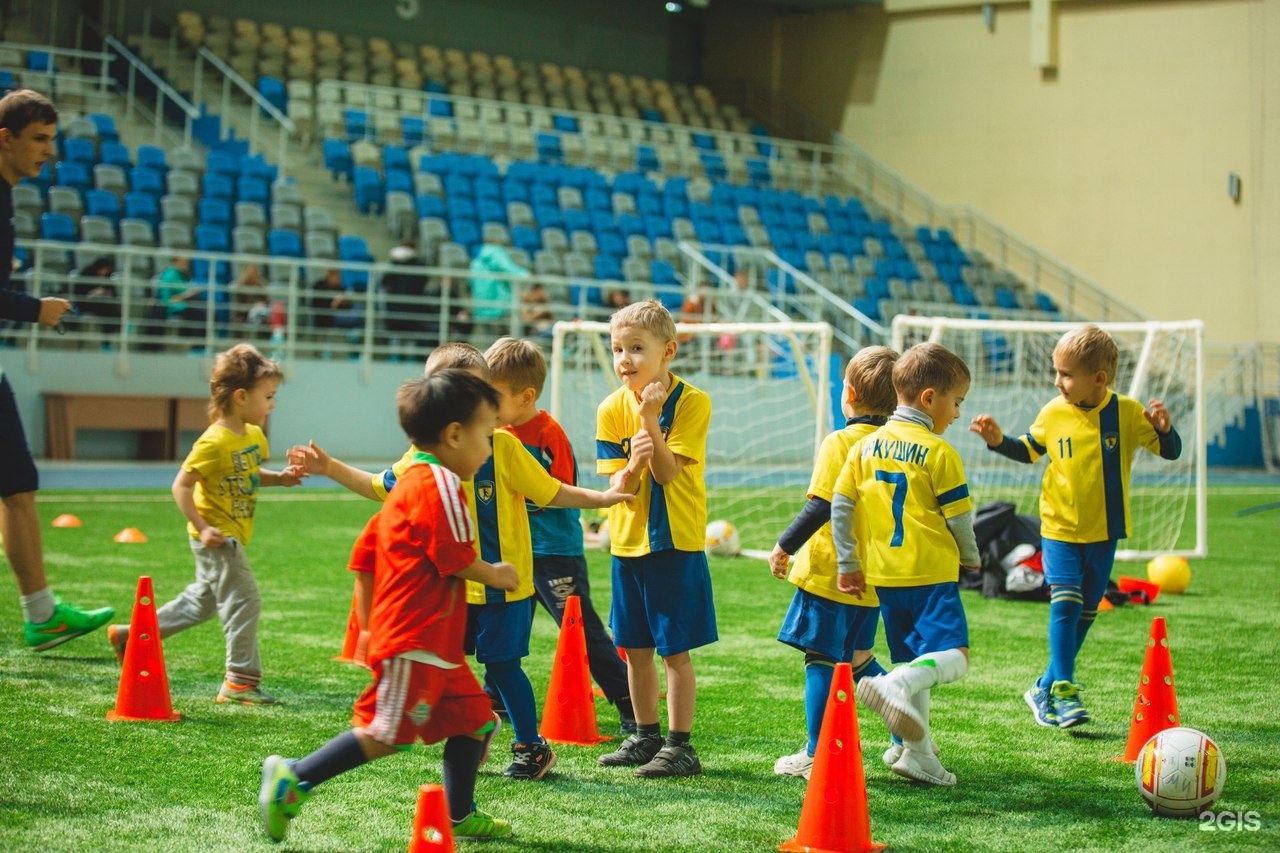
(1171, 573)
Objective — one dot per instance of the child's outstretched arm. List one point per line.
(497, 575)
(311, 459)
(986, 427)
(289, 476)
(577, 497)
(816, 512)
(183, 490)
(629, 478)
(1170, 442)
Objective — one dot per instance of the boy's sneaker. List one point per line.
(923, 767)
(894, 752)
(118, 636)
(281, 796)
(478, 824)
(1038, 700)
(244, 694)
(636, 750)
(531, 761)
(671, 761)
(799, 764)
(66, 623)
(1067, 705)
(887, 697)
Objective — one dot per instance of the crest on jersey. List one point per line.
(419, 713)
(1110, 441)
(484, 491)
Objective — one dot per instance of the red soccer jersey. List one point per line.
(424, 537)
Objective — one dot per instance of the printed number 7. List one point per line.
(899, 480)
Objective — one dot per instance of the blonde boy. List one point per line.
(651, 438)
(1090, 434)
(912, 530)
(830, 626)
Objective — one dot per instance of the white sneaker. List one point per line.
(799, 764)
(923, 768)
(888, 698)
(894, 752)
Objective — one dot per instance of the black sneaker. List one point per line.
(634, 751)
(672, 761)
(531, 761)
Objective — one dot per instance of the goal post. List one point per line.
(1012, 366)
(770, 386)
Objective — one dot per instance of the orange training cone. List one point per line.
(144, 685)
(131, 534)
(66, 520)
(835, 817)
(569, 715)
(355, 645)
(432, 829)
(1156, 707)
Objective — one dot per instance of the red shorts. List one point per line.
(364, 553)
(409, 700)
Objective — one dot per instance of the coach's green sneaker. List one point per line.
(281, 796)
(66, 623)
(1067, 705)
(1041, 705)
(478, 824)
(244, 694)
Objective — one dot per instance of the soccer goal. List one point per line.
(771, 405)
(1012, 367)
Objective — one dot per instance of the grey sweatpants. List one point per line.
(224, 585)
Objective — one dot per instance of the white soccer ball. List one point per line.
(1180, 772)
(722, 539)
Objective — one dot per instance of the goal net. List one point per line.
(1012, 367)
(771, 401)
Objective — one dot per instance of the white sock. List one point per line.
(921, 702)
(38, 606)
(932, 669)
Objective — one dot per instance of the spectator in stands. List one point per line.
(693, 310)
(28, 125)
(96, 296)
(177, 301)
(617, 298)
(331, 306)
(493, 295)
(250, 305)
(406, 289)
(535, 311)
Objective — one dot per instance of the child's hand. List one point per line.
(854, 583)
(986, 426)
(616, 494)
(1158, 417)
(310, 458)
(641, 447)
(292, 475)
(778, 560)
(211, 537)
(505, 577)
(651, 399)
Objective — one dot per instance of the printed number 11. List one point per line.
(1064, 448)
(899, 481)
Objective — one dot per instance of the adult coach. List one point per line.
(28, 125)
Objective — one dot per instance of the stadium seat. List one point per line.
(57, 226)
(142, 206)
(101, 203)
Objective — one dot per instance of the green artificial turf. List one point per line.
(71, 780)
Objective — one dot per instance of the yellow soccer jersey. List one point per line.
(662, 517)
(905, 483)
(814, 568)
(1084, 496)
(228, 464)
(385, 481)
(496, 498)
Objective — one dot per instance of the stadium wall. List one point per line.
(1116, 163)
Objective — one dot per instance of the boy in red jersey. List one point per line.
(422, 687)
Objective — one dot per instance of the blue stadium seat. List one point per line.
(115, 154)
(549, 216)
(868, 306)
(148, 181)
(337, 158)
(1045, 302)
(439, 108)
(704, 141)
(650, 114)
(57, 226)
(152, 157)
(414, 130)
(283, 243)
(430, 205)
(527, 238)
(708, 230)
(877, 289)
(399, 180)
(564, 123)
(213, 238)
(515, 191)
(490, 210)
(522, 171)
(489, 188)
(457, 184)
(106, 126)
(368, 189)
(395, 157)
(435, 87)
(356, 123)
(548, 148)
(74, 175)
(222, 163)
(611, 243)
(662, 272)
(253, 189)
(630, 223)
(657, 226)
(606, 267)
(80, 151)
(350, 248)
(575, 220)
(39, 60)
(543, 194)
(140, 205)
(646, 158)
(466, 232)
(214, 211)
(1005, 298)
(674, 206)
(256, 166)
(102, 203)
(273, 91)
(461, 207)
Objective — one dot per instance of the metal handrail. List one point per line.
(163, 91)
(285, 128)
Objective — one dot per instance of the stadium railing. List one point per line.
(283, 126)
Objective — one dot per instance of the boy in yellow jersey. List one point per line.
(500, 620)
(903, 522)
(651, 439)
(828, 625)
(1090, 434)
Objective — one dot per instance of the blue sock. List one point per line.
(818, 672)
(1083, 626)
(869, 668)
(517, 695)
(1065, 607)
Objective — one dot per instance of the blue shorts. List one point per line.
(831, 627)
(500, 631)
(17, 468)
(1086, 565)
(922, 619)
(663, 601)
